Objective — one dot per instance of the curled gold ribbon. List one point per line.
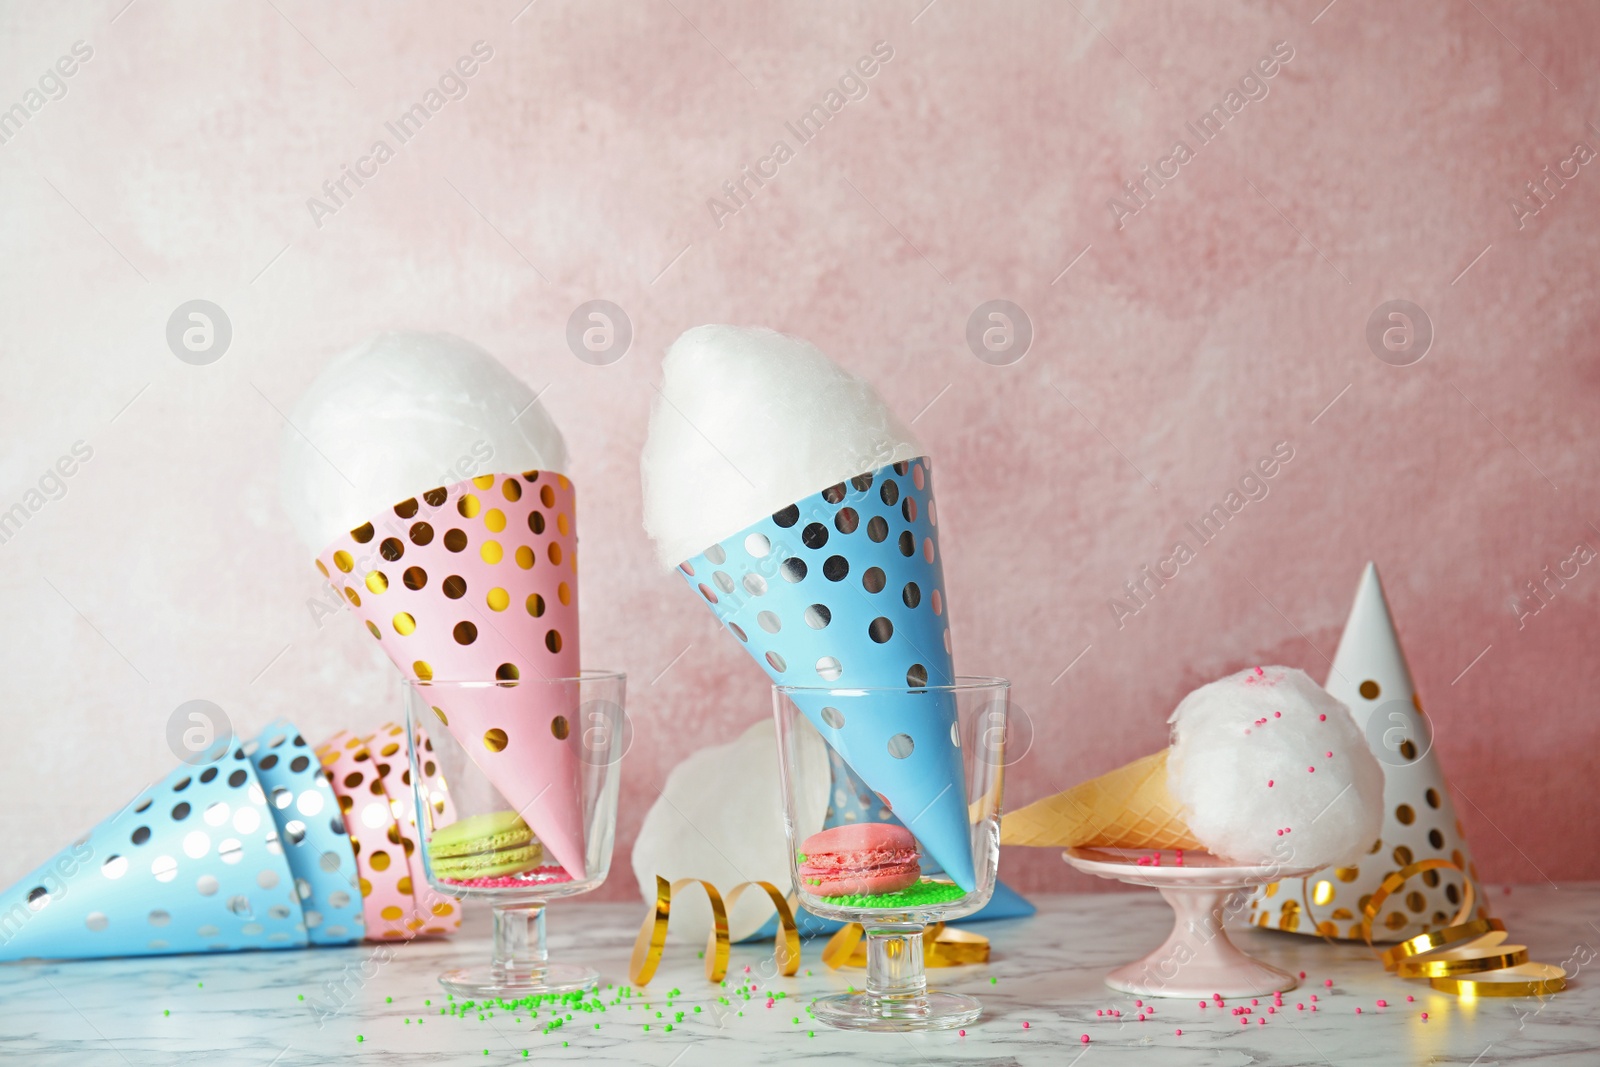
(1466, 947)
(652, 939)
(941, 947)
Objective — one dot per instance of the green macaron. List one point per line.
(484, 846)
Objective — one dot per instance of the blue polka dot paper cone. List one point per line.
(312, 831)
(193, 864)
(846, 588)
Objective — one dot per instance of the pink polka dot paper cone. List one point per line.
(478, 581)
(191, 864)
(845, 588)
(391, 903)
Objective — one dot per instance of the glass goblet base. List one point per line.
(493, 981)
(930, 1011)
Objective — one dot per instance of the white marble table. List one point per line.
(245, 1008)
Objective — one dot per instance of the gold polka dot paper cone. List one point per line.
(1129, 807)
(1370, 676)
(478, 581)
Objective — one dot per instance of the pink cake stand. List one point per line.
(1197, 958)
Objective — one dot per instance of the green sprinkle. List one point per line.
(669, 1028)
(994, 981)
(429, 1003)
(199, 985)
(524, 1053)
(811, 1033)
(388, 1000)
(647, 1026)
(796, 1020)
(302, 996)
(169, 1012)
(697, 1009)
(360, 1038)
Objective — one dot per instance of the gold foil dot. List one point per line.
(1272, 889)
(1322, 895)
(547, 495)
(404, 884)
(498, 599)
(1395, 920)
(366, 886)
(1432, 797)
(455, 540)
(494, 739)
(1347, 874)
(440, 712)
(536, 522)
(352, 596)
(535, 605)
(406, 508)
(377, 582)
(436, 497)
(1402, 856)
(415, 578)
(1344, 915)
(1436, 839)
(321, 567)
(443, 909)
(1408, 749)
(1452, 894)
(404, 624)
(491, 552)
(507, 673)
(422, 670)
(495, 520)
(378, 861)
(421, 533)
(552, 641)
(564, 593)
(511, 489)
(373, 627)
(484, 481)
(525, 557)
(563, 525)
(1325, 927)
(465, 633)
(1430, 879)
(392, 912)
(454, 587)
(530, 476)
(363, 533)
(555, 549)
(344, 561)
(1405, 814)
(562, 480)
(558, 727)
(1370, 690)
(391, 549)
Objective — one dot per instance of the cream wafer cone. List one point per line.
(1129, 807)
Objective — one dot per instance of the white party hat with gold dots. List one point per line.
(1370, 676)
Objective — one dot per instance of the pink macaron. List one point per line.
(859, 858)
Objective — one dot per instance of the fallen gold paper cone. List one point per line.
(1129, 807)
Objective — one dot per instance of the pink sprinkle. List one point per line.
(1254, 1001)
(1277, 715)
(1084, 1039)
(1269, 783)
(1097, 1011)
(961, 1033)
(1202, 1003)
(1358, 1011)
(1299, 1007)
(1117, 1012)
(1272, 1011)
(1424, 1016)
(1177, 1033)
(1313, 1007)
(1260, 672)
(1141, 1016)
(1311, 770)
(1138, 1003)
(1302, 974)
(770, 1002)
(1409, 999)
(1383, 1003)
(1280, 833)
(1263, 1022)
(1328, 754)
(1327, 982)
(747, 970)
(1244, 1022)
(1313, 996)
(1322, 718)
(1024, 1026)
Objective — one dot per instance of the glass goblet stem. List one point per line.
(896, 979)
(519, 951)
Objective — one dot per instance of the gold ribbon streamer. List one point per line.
(652, 939)
(941, 947)
(1497, 969)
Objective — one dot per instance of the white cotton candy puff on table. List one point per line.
(749, 421)
(1268, 767)
(399, 414)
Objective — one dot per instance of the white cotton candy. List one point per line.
(1240, 766)
(748, 422)
(400, 414)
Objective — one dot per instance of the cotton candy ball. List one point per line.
(1249, 759)
(401, 414)
(749, 421)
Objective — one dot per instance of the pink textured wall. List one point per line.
(1224, 315)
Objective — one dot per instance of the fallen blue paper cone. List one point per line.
(193, 864)
(312, 830)
(845, 588)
